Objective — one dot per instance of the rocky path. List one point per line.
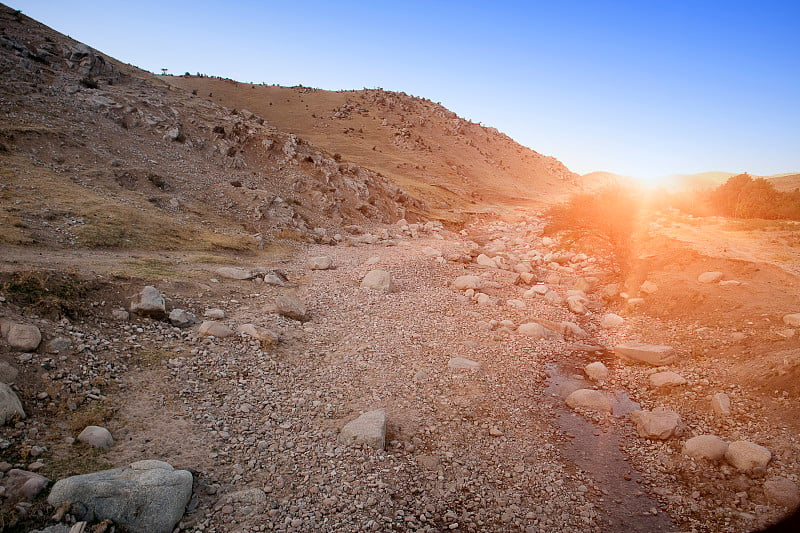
(474, 384)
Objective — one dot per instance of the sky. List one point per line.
(642, 88)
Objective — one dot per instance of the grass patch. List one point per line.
(148, 269)
(50, 294)
(82, 459)
(150, 357)
(94, 414)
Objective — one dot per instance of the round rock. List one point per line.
(708, 447)
(590, 399)
(97, 437)
(746, 456)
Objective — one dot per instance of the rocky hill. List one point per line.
(456, 165)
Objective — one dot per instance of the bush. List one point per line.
(608, 215)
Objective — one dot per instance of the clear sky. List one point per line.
(642, 88)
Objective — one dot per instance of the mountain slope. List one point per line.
(419, 145)
(99, 153)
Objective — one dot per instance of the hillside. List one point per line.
(785, 182)
(419, 145)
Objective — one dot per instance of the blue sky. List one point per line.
(644, 88)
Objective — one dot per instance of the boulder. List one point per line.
(22, 485)
(611, 320)
(659, 424)
(180, 318)
(212, 328)
(536, 290)
(322, 262)
(10, 406)
(149, 303)
(652, 354)
(378, 280)
(745, 456)
(463, 283)
(97, 437)
(782, 491)
(461, 363)
(145, 496)
(291, 307)
(369, 429)
(792, 320)
(484, 299)
(710, 277)
(430, 251)
(590, 399)
(596, 371)
(721, 404)
(708, 447)
(8, 373)
(234, 273)
(24, 337)
(666, 379)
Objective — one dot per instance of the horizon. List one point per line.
(636, 90)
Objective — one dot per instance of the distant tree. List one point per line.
(164, 71)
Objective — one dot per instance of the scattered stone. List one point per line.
(322, 262)
(721, 404)
(212, 328)
(495, 432)
(145, 496)
(652, 354)
(252, 496)
(214, 314)
(659, 424)
(596, 371)
(745, 456)
(369, 429)
(536, 290)
(710, 277)
(275, 278)
(431, 252)
(553, 298)
(648, 287)
(590, 399)
(537, 331)
(708, 447)
(485, 260)
(462, 363)
(267, 337)
(22, 484)
(667, 379)
(120, 315)
(180, 318)
(484, 299)
(8, 373)
(792, 320)
(516, 304)
(379, 280)
(463, 283)
(149, 303)
(24, 337)
(10, 406)
(577, 304)
(97, 437)
(291, 307)
(782, 491)
(234, 273)
(611, 320)
(729, 283)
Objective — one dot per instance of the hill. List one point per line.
(785, 182)
(456, 165)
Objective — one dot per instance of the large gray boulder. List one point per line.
(8, 373)
(24, 337)
(181, 318)
(369, 429)
(10, 406)
(149, 302)
(652, 354)
(145, 496)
